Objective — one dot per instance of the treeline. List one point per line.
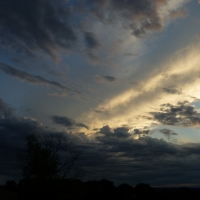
(74, 189)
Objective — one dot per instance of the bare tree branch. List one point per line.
(42, 158)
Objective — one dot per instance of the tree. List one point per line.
(144, 189)
(11, 185)
(41, 159)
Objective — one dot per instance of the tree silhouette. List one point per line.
(11, 185)
(144, 189)
(41, 159)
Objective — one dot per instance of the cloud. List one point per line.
(130, 157)
(20, 125)
(5, 109)
(24, 76)
(181, 114)
(111, 153)
(81, 125)
(122, 132)
(172, 90)
(147, 96)
(67, 122)
(119, 132)
(91, 40)
(129, 54)
(140, 132)
(37, 25)
(14, 129)
(168, 133)
(47, 26)
(62, 94)
(106, 130)
(179, 14)
(102, 79)
(142, 15)
(102, 111)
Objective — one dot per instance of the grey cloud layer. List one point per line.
(49, 25)
(33, 79)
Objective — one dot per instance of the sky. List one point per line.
(118, 78)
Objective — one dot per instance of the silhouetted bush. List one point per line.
(59, 189)
(125, 191)
(103, 189)
(144, 189)
(11, 185)
(184, 192)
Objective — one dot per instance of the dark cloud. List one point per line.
(91, 40)
(181, 114)
(172, 90)
(109, 78)
(12, 139)
(24, 76)
(13, 130)
(167, 132)
(120, 132)
(140, 132)
(36, 24)
(67, 122)
(102, 111)
(114, 155)
(142, 15)
(82, 125)
(102, 79)
(20, 125)
(5, 109)
(106, 130)
(146, 159)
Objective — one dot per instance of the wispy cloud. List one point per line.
(36, 25)
(167, 132)
(24, 76)
(50, 25)
(172, 90)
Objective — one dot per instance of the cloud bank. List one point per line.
(111, 153)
